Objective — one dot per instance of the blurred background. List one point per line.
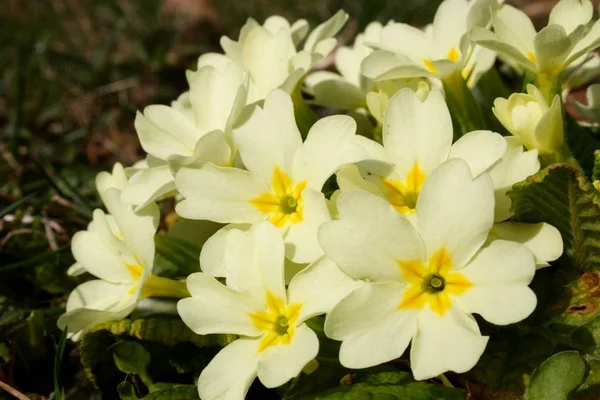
(72, 75)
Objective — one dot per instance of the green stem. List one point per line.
(549, 84)
(157, 286)
(464, 109)
(563, 156)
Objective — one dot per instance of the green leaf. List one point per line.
(581, 142)
(557, 377)
(131, 357)
(176, 258)
(150, 348)
(596, 170)
(126, 391)
(167, 391)
(16, 205)
(59, 393)
(387, 383)
(562, 196)
(165, 331)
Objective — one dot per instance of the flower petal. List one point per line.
(516, 165)
(513, 26)
(542, 239)
(480, 149)
(490, 40)
(99, 257)
(148, 185)
(450, 23)
(406, 40)
(500, 274)
(164, 131)
(269, 138)
(213, 95)
(230, 374)
(451, 342)
(301, 241)
(212, 255)
(329, 145)
(416, 131)
(319, 287)
(219, 194)
(370, 238)
(455, 211)
(254, 260)
(278, 364)
(370, 326)
(571, 13)
(137, 228)
(215, 308)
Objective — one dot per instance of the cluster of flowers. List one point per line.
(417, 238)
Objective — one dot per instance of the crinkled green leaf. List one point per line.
(386, 383)
(557, 377)
(562, 196)
(596, 170)
(582, 143)
(165, 331)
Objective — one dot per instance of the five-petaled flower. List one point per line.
(275, 342)
(425, 280)
(284, 176)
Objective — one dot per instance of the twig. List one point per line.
(13, 391)
(49, 232)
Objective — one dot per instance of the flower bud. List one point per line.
(530, 118)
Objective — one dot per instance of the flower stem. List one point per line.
(549, 84)
(157, 286)
(464, 109)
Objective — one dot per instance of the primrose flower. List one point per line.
(441, 49)
(187, 136)
(417, 138)
(269, 53)
(530, 118)
(119, 250)
(566, 38)
(275, 342)
(105, 180)
(426, 280)
(284, 176)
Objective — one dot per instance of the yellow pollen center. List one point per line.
(284, 203)
(433, 284)
(531, 57)
(278, 322)
(136, 272)
(453, 54)
(403, 195)
(429, 65)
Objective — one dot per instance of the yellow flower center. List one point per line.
(531, 57)
(453, 54)
(278, 322)
(432, 284)
(136, 272)
(284, 203)
(429, 65)
(403, 195)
